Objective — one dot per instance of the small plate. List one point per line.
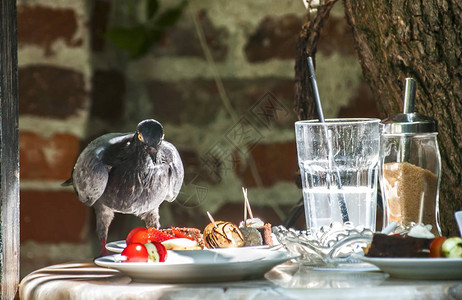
(201, 266)
(119, 246)
(116, 247)
(417, 268)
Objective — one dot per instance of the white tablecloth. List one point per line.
(85, 280)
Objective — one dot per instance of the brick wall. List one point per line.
(220, 81)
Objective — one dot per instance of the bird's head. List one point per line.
(150, 133)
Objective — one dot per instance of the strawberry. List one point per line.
(178, 234)
(157, 235)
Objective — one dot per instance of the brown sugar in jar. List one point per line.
(406, 186)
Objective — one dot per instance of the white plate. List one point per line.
(116, 247)
(119, 246)
(418, 268)
(201, 266)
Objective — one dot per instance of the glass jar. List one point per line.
(410, 167)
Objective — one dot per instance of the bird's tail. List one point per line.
(67, 182)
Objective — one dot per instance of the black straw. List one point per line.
(341, 203)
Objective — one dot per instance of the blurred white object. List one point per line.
(421, 231)
(389, 229)
(313, 4)
(458, 215)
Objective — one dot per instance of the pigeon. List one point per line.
(128, 173)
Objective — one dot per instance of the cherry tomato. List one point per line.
(435, 247)
(142, 237)
(132, 233)
(135, 253)
(161, 250)
(156, 252)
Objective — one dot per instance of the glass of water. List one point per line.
(339, 162)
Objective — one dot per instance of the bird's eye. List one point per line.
(140, 137)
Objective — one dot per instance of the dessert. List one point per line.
(187, 232)
(398, 246)
(221, 234)
(181, 244)
(255, 232)
(252, 237)
(174, 238)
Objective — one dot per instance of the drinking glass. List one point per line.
(339, 161)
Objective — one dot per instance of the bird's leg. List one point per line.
(104, 216)
(151, 218)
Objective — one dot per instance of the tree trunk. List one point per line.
(419, 39)
(306, 46)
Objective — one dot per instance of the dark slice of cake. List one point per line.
(397, 246)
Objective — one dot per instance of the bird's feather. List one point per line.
(91, 173)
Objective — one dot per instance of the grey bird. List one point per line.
(129, 173)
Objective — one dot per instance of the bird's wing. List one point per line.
(168, 154)
(91, 171)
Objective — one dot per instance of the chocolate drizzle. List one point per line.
(216, 237)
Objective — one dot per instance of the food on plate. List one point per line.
(435, 247)
(174, 238)
(397, 245)
(148, 252)
(252, 237)
(181, 244)
(255, 232)
(156, 252)
(383, 245)
(148, 235)
(132, 233)
(421, 231)
(187, 232)
(452, 247)
(221, 234)
(135, 252)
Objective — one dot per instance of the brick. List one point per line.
(108, 95)
(274, 38)
(42, 26)
(50, 91)
(198, 102)
(167, 101)
(47, 157)
(98, 24)
(234, 212)
(362, 104)
(273, 162)
(51, 217)
(182, 40)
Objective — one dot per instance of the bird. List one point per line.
(128, 173)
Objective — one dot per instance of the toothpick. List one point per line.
(211, 219)
(247, 203)
(245, 208)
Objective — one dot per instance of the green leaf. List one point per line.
(134, 40)
(170, 16)
(152, 6)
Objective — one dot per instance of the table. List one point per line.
(85, 280)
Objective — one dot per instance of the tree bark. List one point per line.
(419, 39)
(306, 46)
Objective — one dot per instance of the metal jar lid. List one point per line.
(409, 122)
